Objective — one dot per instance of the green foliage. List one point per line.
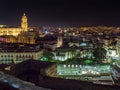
(88, 61)
(99, 53)
(44, 59)
(47, 56)
(82, 61)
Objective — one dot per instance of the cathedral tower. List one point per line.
(24, 23)
(59, 41)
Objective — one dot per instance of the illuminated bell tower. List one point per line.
(59, 41)
(24, 23)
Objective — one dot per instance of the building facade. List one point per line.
(63, 54)
(118, 47)
(9, 57)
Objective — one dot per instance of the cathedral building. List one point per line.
(15, 31)
(17, 35)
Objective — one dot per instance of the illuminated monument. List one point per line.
(15, 31)
(24, 23)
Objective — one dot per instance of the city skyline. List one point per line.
(61, 13)
(59, 45)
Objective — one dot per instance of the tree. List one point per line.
(99, 53)
(47, 56)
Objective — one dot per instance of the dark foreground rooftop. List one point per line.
(8, 82)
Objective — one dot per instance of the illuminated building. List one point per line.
(59, 41)
(24, 23)
(17, 56)
(112, 54)
(13, 30)
(63, 56)
(64, 53)
(17, 35)
(24, 37)
(118, 47)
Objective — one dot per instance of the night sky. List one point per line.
(61, 12)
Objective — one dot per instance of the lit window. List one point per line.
(72, 66)
(68, 65)
(64, 65)
(76, 65)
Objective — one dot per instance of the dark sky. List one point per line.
(61, 12)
